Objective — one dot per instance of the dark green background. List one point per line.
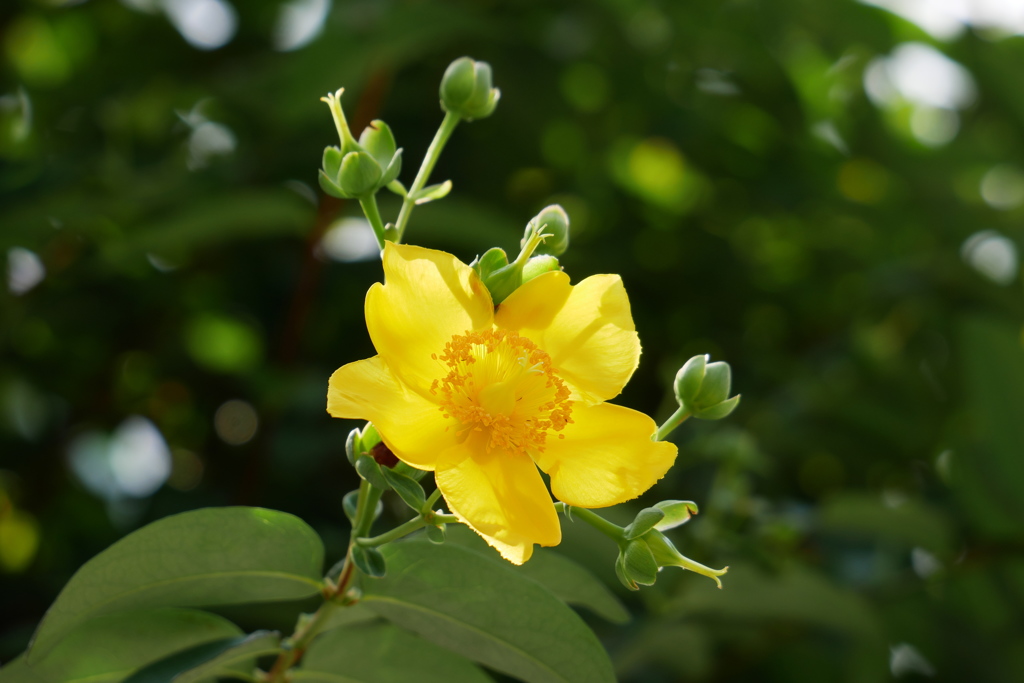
(680, 137)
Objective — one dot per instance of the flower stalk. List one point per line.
(444, 132)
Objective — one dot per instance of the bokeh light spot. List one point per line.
(133, 462)
(25, 270)
(991, 254)
(223, 344)
(349, 240)
(1002, 187)
(585, 87)
(299, 23)
(19, 540)
(204, 24)
(655, 170)
(864, 181)
(236, 422)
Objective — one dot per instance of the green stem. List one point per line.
(612, 531)
(671, 423)
(395, 534)
(429, 160)
(431, 500)
(364, 516)
(307, 630)
(369, 204)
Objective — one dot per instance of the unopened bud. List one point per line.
(378, 140)
(538, 265)
(636, 565)
(553, 222)
(466, 89)
(702, 388)
(689, 379)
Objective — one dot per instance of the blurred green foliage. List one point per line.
(852, 257)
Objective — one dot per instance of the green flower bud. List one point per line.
(538, 265)
(504, 281)
(666, 555)
(636, 565)
(378, 140)
(689, 379)
(677, 513)
(360, 175)
(552, 221)
(715, 387)
(352, 446)
(492, 260)
(702, 388)
(357, 169)
(466, 89)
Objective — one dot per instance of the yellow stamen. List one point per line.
(499, 383)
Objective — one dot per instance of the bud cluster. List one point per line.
(547, 235)
(358, 169)
(644, 550)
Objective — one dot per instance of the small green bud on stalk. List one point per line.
(554, 222)
(356, 170)
(689, 379)
(466, 89)
(702, 389)
(636, 564)
(502, 281)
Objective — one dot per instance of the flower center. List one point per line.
(502, 386)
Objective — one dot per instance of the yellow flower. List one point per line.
(484, 396)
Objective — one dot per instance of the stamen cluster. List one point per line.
(500, 384)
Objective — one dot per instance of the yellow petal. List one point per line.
(587, 330)
(500, 496)
(411, 426)
(427, 297)
(607, 456)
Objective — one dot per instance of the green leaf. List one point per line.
(382, 653)
(407, 489)
(436, 534)
(111, 647)
(369, 470)
(204, 662)
(398, 188)
(350, 504)
(17, 671)
(433, 192)
(215, 556)
(645, 520)
(486, 612)
(349, 616)
(570, 581)
(369, 561)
